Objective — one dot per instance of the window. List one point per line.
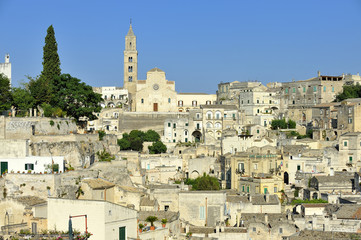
(105, 97)
(298, 167)
(265, 190)
(180, 103)
(185, 133)
(166, 207)
(304, 89)
(218, 115)
(257, 101)
(345, 143)
(198, 127)
(270, 101)
(186, 124)
(169, 124)
(186, 140)
(208, 102)
(248, 189)
(275, 189)
(194, 103)
(254, 229)
(349, 120)
(315, 89)
(29, 166)
(333, 89)
(286, 90)
(174, 125)
(142, 100)
(168, 100)
(130, 79)
(324, 88)
(201, 213)
(243, 188)
(209, 116)
(130, 59)
(255, 166)
(350, 159)
(257, 110)
(175, 134)
(281, 230)
(130, 69)
(294, 90)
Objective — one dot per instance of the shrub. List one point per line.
(151, 219)
(51, 123)
(101, 135)
(157, 147)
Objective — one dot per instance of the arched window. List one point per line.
(130, 78)
(168, 100)
(142, 100)
(130, 69)
(218, 115)
(130, 59)
(209, 125)
(218, 125)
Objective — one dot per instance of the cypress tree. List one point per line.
(51, 61)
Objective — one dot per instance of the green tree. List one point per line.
(291, 124)
(151, 136)
(157, 147)
(51, 60)
(351, 91)
(205, 182)
(40, 89)
(136, 144)
(136, 134)
(124, 144)
(22, 99)
(5, 93)
(75, 97)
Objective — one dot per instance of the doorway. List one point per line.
(122, 233)
(155, 107)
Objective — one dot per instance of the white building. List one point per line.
(35, 164)
(105, 220)
(113, 96)
(5, 68)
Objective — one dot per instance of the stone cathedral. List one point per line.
(156, 93)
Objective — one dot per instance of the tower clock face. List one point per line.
(156, 87)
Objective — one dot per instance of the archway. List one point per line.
(194, 174)
(197, 136)
(285, 178)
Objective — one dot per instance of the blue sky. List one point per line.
(197, 43)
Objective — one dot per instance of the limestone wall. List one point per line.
(143, 121)
(24, 128)
(14, 148)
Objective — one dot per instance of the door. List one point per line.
(155, 107)
(122, 233)
(34, 228)
(4, 167)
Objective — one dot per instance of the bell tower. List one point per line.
(131, 64)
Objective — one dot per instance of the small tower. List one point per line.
(131, 64)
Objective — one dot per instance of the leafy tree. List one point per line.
(50, 111)
(291, 124)
(157, 147)
(136, 144)
(124, 144)
(151, 136)
(22, 99)
(351, 91)
(136, 134)
(75, 97)
(51, 61)
(101, 135)
(151, 219)
(205, 182)
(40, 90)
(5, 93)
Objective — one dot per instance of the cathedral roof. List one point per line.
(155, 70)
(130, 32)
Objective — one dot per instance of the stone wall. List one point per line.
(14, 148)
(143, 121)
(24, 128)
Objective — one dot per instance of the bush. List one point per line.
(105, 156)
(51, 123)
(205, 182)
(151, 219)
(297, 201)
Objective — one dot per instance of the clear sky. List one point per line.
(197, 43)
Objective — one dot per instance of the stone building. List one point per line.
(349, 151)
(349, 116)
(324, 118)
(5, 68)
(187, 101)
(300, 96)
(113, 96)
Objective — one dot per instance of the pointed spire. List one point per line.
(130, 32)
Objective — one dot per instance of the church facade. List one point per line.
(156, 93)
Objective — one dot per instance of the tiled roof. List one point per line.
(98, 183)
